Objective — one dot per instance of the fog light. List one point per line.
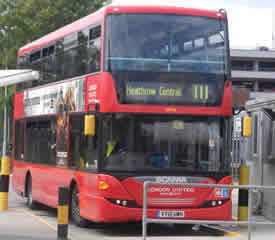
(220, 202)
(213, 203)
(117, 201)
(124, 203)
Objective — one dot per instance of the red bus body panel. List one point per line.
(129, 189)
(95, 206)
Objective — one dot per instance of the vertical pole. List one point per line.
(243, 194)
(249, 212)
(5, 165)
(8, 132)
(63, 213)
(4, 183)
(144, 215)
(5, 126)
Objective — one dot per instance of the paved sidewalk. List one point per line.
(18, 224)
(15, 224)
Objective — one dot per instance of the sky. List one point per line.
(251, 22)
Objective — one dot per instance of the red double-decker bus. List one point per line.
(155, 83)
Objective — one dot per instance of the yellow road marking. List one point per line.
(44, 222)
(232, 234)
(40, 220)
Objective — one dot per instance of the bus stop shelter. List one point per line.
(11, 77)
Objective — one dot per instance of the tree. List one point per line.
(22, 21)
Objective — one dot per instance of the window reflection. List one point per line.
(74, 55)
(151, 143)
(167, 43)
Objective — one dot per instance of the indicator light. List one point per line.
(103, 185)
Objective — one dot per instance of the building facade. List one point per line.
(253, 73)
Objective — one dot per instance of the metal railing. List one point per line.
(249, 223)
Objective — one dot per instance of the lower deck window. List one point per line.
(83, 154)
(41, 141)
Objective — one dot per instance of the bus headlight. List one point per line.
(124, 203)
(213, 203)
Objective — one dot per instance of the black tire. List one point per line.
(75, 209)
(30, 202)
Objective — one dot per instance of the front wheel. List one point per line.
(75, 209)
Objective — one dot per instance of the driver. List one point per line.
(113, 144)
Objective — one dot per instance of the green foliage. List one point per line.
(8, 101)
(22, 21)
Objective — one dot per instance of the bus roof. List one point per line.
(99, 15)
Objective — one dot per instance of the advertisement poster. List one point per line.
(57, 99)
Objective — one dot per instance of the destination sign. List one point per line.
(168, 93)
(161, 91)
(169, 89)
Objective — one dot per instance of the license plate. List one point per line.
(170, 214)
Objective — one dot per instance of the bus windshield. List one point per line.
(142, 143)
(165, 43)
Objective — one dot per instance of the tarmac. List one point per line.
(17, 223)
(20, 223)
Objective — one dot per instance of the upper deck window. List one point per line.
(76, 54)
(48, 51)
(95, 33)
(165, 43)
(35, 56)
